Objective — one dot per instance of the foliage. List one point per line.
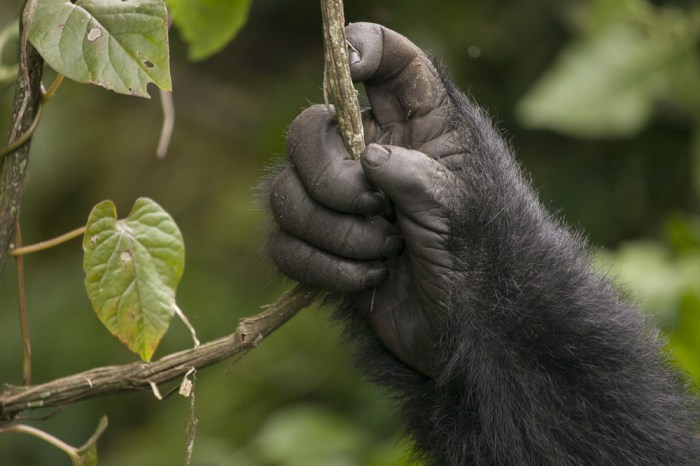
(337, 442)
(123, 45)
(208, 25)
(630, 57)
(119, 45)
(230, 123)
(132, 268)
(664, 277)
(8, 72)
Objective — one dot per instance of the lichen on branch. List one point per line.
(337, 80)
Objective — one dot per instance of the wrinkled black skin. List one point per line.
(477, 308)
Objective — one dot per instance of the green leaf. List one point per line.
(656, 278)
(683, 234)
(696, 155)
(121, 45)
(684, 342)
(87, 454)
(208, 25)
(8, 34)
(283, 439)
(132, 268)
(599, 15)
(603, 86)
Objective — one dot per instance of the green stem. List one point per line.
(25, 137)
(49, 243)
(69, 450)
(23, 317)
(48, 95)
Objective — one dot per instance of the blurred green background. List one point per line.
(601, 99)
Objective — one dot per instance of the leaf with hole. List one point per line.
(121, 45)
(132, 269)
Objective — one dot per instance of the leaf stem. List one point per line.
(23, 318)
(49, 243)
(101, 427)
(76, 455)
(166, 132)
(187, 323)
(69, 450)
(26, 136)
(48, 95)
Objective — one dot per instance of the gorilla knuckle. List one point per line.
(306, 125)
(279, 190)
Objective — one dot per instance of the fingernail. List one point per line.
(370, 203)
(375, 155)
(393, 245)
(353, 56)
(375, 275)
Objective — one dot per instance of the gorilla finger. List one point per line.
(400, 80)
(351, 236)
(419, 185)
(324, 165)
(307, 264)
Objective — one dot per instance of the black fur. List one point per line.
(545, 364)
(531, 357)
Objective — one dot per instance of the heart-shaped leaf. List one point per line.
(132, 268)
(121, 45)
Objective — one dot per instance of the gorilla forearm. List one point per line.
(544, 363)
(487, 320)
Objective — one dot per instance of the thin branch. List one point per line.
(337, 77)
(138, 376)
(23, 318)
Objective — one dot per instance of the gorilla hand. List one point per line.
(531, 357)
(342, 224)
